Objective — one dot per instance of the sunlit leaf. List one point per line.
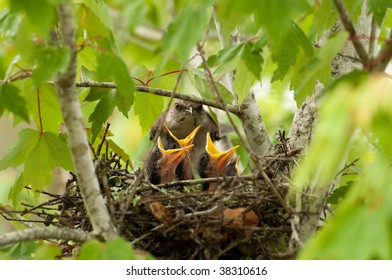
(12, 101)
(113, 67)
(103, 110)
(34, 149)
(47, 251)
(147, 107)
(286, 51)
(365, 214)
(318, 68)
(50, 61)
(187, 29)
(34, 11)
(114, 249)
(50, 112)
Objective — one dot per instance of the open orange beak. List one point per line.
(218, 158)
(187, 140)
(172, 157)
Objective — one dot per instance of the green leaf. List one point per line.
(187, 29)
(243, 81)
(99, 9)
(59, 150)
(16, 189)
(324, 16)
(9, 23)
(103, 110)
(252, 59)
(339, 193)
(114, 67)
(318, 68)
(276, 16)
(285, 52)
(47, 252)
(198, 80)
(35, 11)
(21, 149)
(20, 251)
(365, 214)
(35, 150)
(12, 101)
(50, 61)
(226, 59)
(147, 107)
(51, 115)
(114, 249)
(379, 8)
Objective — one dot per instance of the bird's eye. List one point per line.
(177, 106)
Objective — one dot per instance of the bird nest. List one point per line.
(242, 219)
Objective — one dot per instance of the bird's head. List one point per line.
(169, 160)
(188, 140)
(214, 162)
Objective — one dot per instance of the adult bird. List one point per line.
(162, 163)
(214, 163)
(184, 168)
(181, 119)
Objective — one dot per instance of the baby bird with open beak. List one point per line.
(214, 163)
(162, 163)
(184, 168)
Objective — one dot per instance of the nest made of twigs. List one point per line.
(242, 219)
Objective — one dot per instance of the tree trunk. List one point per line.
(78, 142)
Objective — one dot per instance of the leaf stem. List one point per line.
(41, 128)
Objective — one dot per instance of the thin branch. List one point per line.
(348, 25)
(380, 63)
(163, 92)
(373, 40)
(44, 233)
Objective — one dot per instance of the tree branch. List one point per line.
(384, 56)
(78, 142)
(348, 25)
(163, 92)
(44, 233)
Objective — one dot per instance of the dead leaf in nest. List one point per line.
(161, 213)
(239, 218)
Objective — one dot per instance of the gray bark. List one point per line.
(78, 142)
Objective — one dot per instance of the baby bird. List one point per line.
(214, 163)
(162, 163)
(184, 168)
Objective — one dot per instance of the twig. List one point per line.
(384, 56)
(133, 242)
(103, 139)
(348, 25)
(373, 40)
